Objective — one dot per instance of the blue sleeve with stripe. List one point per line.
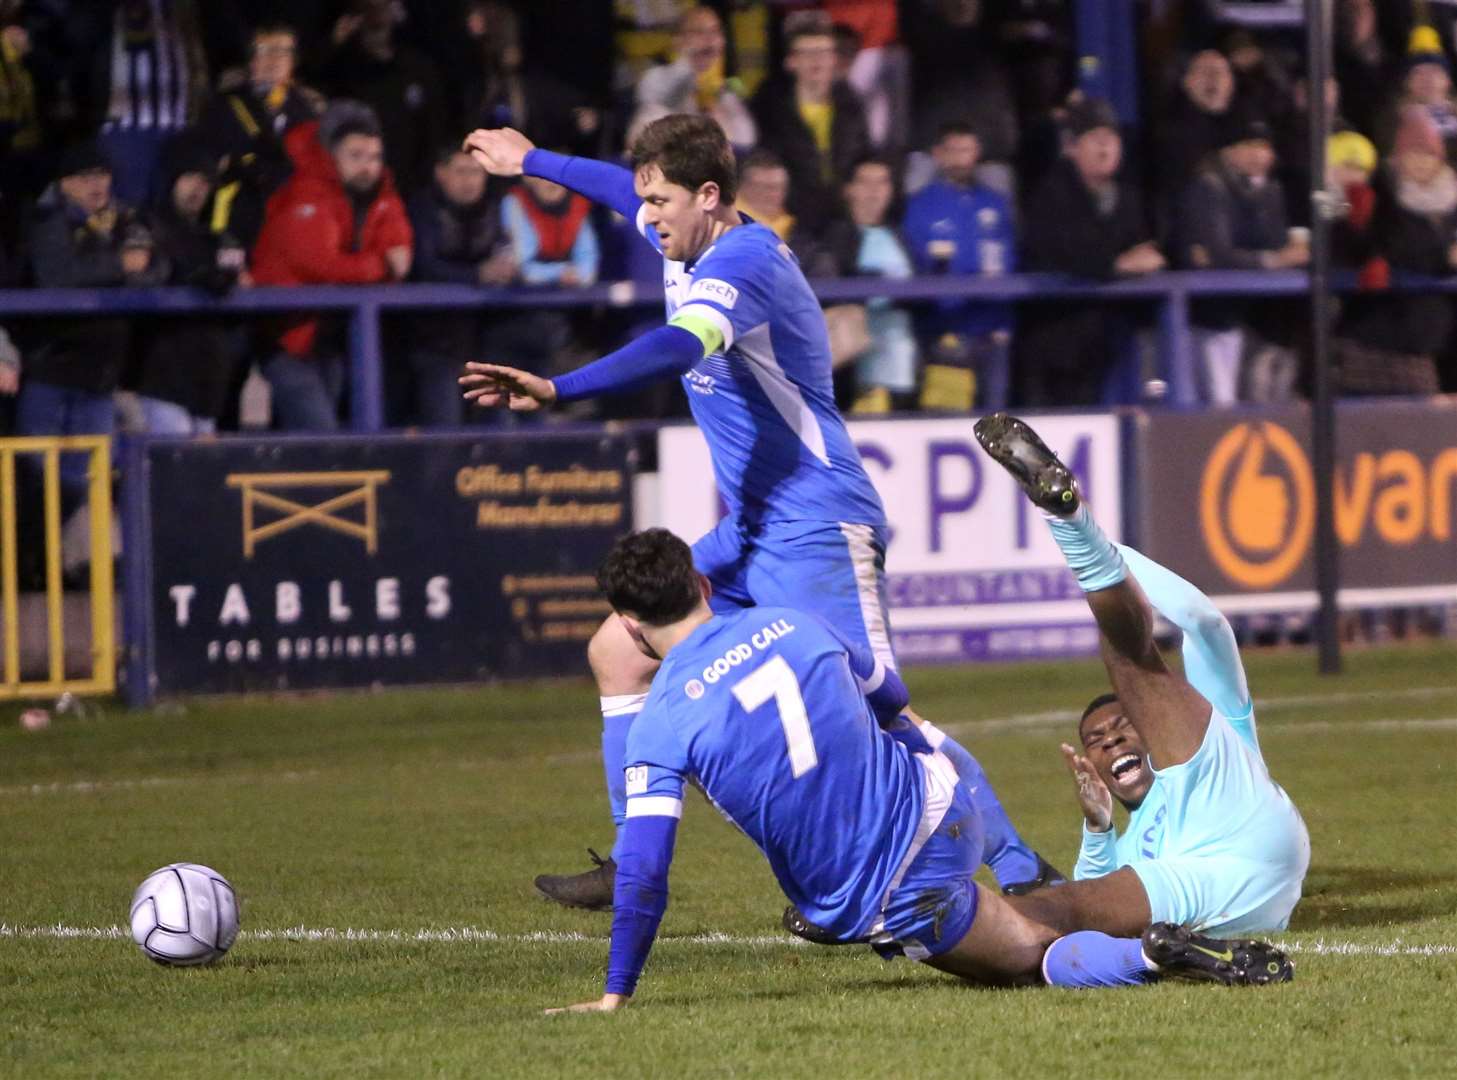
(654, 782)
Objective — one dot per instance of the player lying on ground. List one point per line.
(1213, 843)
(869, 833)
(805, 527)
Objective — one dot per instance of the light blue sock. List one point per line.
(1093, 558)
(1006, 853)
(1093, 959)
(618, 713)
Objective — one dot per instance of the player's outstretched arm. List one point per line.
(668, 350)
(639, 898)
(507, 152)
(1211, 655)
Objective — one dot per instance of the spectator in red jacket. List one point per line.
(337, 221)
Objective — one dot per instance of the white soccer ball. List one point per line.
(184, 914)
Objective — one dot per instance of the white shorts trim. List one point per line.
(940, 789)
(861, 541)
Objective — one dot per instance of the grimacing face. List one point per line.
(1117, 754)
(682, 219)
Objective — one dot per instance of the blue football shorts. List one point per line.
(932, 905)
(831, 569)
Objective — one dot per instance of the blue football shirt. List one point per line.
(765, 400)
(762, 709)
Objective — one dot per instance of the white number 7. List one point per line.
(776, 679)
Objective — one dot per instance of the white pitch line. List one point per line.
(92, 787)
(474, 935)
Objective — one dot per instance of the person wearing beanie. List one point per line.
(337, 221)
(81, 237)
(1082, 220)
(1232, 217)
(1426, 83)
(1387, 343)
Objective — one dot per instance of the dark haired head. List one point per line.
(1096, 704)
(955, 127)
(690, 151)
(761, 159)
(650, 575)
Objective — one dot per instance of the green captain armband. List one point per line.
(701, 327)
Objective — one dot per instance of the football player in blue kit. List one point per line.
(796, 737)
(1213, 843)
(805, 527)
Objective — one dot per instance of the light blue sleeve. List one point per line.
(1211, 654)
(586, 256)
(1098, 855)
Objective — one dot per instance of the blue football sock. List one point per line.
(1090, 958)
(1092, 557)
(618, 713)
(1010, 859)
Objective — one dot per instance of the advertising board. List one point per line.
(348, 561)
(972, 572)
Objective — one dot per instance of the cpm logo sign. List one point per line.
(1257, 504)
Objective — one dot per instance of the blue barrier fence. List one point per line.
(1170, 293)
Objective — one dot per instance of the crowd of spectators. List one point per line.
(224, 145)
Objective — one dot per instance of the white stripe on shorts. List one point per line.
(861, 540)
(941, 781)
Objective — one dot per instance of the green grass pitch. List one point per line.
(383, 847)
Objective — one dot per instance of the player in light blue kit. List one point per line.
(745, 333)
(796, 738)
(1213, 843)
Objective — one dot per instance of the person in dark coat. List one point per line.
(814, 124)
(81, 237)
(1388, 343)
(1194, 126)
(399, 82)
(244, 127)
(1085, 222)
(188, 366)
(1232, 217)
(459, 239)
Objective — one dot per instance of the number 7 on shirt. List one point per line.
(776, 679)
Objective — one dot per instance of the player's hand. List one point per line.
(606, 1003)
(500, 151)
(1093, 794)
(490, 385)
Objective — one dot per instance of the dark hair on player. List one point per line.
(1096, 704)
(650, 575)
(691, 151)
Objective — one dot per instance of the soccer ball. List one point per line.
(184, 914)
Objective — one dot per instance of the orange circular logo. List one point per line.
(1257, 504)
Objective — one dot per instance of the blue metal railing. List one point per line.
(1171, 293)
